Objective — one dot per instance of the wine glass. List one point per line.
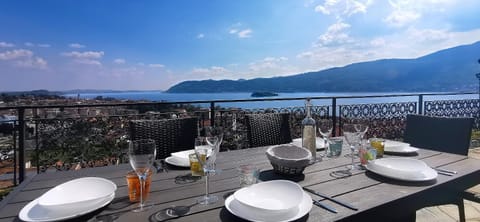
(325, 127)
(352, 136)
(206, 155)
(141, 154)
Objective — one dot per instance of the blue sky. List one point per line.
(152, 45)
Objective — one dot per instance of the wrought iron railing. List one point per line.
(93, 134)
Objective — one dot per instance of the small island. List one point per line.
(263, 94)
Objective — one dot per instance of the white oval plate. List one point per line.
(34, 212)
(77, 192)
(398, 147)
(320, 143)
(182, 154)
(177, 162)
(239, 210)
(270, 195)
(406, 169)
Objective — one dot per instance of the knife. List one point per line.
(325, 206)
(329, 198)
(446, 171)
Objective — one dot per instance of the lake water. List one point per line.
(179, 97)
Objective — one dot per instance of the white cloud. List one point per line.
(15, 54)
(406, 12)
(24, 58)
(76, 45)
(200, 36)
(119, 61)
(88, 57)
(335, 35)
(377, 42)
(156, 65)
(6, 45)
(35, 62)
(246, 33)
(341, 8)
(233, 31)
(42, 45)
(216, 72)
(400, 18)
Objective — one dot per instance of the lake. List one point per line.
(179, 97)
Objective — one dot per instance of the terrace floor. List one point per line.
(449, 213)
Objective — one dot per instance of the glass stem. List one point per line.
(353, 156)
(142, 184)
(206, 182)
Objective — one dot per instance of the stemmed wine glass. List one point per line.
(141, 154)
(206, 155)
(352, 137)
(325, 127)
(361, 129)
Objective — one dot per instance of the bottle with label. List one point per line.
(309, 132)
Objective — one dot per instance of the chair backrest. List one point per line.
(268, 129)
(170, 135)
(446, 134)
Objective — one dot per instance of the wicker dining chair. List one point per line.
(268, 129)
(445, 134)
(170, 135)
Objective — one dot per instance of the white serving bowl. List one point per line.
(276, 196)
(77, 193)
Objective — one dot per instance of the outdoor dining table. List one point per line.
(377, 198)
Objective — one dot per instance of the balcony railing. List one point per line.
(94, 134)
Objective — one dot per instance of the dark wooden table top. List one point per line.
(377, 197)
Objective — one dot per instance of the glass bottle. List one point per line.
(309, 131)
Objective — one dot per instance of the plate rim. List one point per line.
(307, 202)
(432, 173)
(23, 214)
(413, 149)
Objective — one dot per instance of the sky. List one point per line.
(153, 45)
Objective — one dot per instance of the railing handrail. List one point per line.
(226, 100)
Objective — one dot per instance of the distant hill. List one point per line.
(451, 69)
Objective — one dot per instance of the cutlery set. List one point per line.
(326, 206)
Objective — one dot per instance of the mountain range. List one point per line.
(450, 69)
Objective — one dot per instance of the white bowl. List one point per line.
(274, 196)
(77, 193)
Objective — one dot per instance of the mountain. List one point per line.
(451, 69)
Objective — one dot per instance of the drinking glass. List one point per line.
(352, 136)
(141, 154)
(325, 127)
(206, 150)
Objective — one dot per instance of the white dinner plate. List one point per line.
(320, 143)
(77, 193)
(36, 213)
(398, 147)
(178, 162)
(406, 169)
(239, 210)
(182, 154)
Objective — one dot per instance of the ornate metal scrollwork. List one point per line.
(386, 120)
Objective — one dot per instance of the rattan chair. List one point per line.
(170, 135)
(450, 135)
(268, 129)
